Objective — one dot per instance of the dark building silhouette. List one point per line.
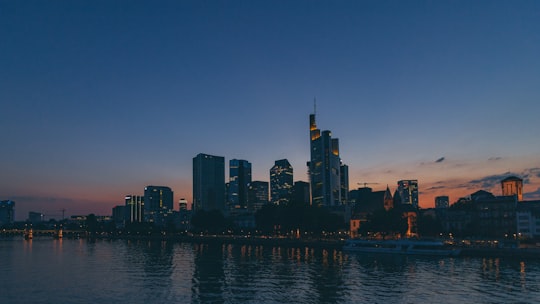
(344, 183)
(366, 201)
(301, 192)
(35, 217)
(239, 180)
(281, 182)
(482, 215)
(496, 216)
(119, 216)
(442, 202)
(208, 182)
(7, 212)
(158, 204)
(257, 195)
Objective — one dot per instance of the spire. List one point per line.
(314, 106)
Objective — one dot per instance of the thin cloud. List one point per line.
(436, 188)
(534, 195)
(490, 181)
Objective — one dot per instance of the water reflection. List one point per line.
(77, 271)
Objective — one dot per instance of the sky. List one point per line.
(102, 98)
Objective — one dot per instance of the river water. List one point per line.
(120, 271)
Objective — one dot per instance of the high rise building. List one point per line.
(158, 204)
(257, 195)
(408, 192)
(119, 215)
(344, 183)
(281, 182)
(324, 167)
(301, 192)
(239, 180)
(208, 182)
(442, 202)
(7, 212)
(134, 208)
(512, 186)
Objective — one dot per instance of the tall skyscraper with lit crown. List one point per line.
(325, 167)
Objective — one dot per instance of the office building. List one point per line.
(408, 192)
(442, 202)
(7, 212)
(119, 215)
(35, 217)
(512, 186)
(158, 204)
(344, 183)
(134, 208)
(324, 167)
(239, 180)
(257, 195)
(281, 182)
(208, 182)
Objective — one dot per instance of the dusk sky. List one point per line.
(101, 98)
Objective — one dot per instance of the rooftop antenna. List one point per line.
(314, 106)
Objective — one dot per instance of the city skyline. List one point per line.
(101, 100)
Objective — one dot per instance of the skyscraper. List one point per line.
(158, 204)
(239, 179)
(7, 212)
(257, 195)
(324, 167)
(344, 183)
(301, 192)
(281, 182)
(408, 192)
(208, 182)
(512, 186)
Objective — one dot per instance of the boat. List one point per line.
(402, 246)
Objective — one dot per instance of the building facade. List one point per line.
(281, 182)
(158, 204)
(239, 180)
(324, 167)
(442, 202)
(208, 182)
(7, 212)
(134, 208)
(408, 192)
(528, 220)
(257, 195)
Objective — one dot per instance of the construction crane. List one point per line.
(365, 184)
